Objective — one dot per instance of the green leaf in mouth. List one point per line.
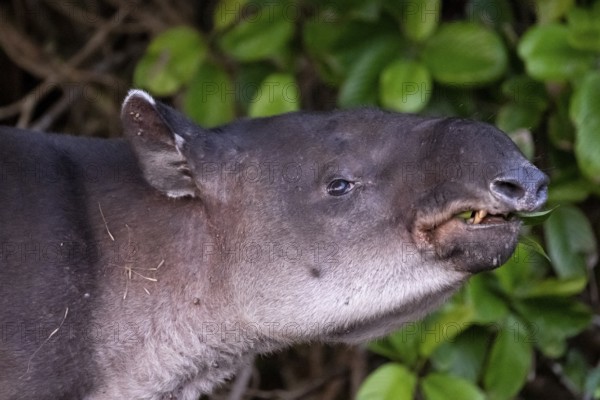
(465, 215)
(536, 217)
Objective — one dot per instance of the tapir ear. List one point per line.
(158, 135)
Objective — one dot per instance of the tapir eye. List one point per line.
(339, 187)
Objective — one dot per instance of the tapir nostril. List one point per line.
(510, 190)
(525, 194)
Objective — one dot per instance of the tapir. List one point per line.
(155, 266)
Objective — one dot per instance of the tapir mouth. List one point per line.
(472, 237)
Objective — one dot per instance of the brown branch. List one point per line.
(77, 14)
(29, 57)
(24, 52)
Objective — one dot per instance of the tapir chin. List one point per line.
(157, 265)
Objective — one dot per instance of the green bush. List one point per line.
(532, 69)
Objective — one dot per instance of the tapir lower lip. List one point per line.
(468, 246)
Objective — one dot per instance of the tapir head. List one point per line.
(338, 226)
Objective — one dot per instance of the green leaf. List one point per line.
(248, 79)
(392, 381)
(533, 245)
(464, 53)
(570, 241)
(361, 84)
(576, 368)
(404, 344)
(551, 10)
(592, 383)
(444, 325)
(493, 13)
(170, 61)
(488, 306)
(262, 35)
(210, 98)
(227, 12)
(465, 355)
(349, 9)
(548, 55)
(569, 191)
(525, 91)
(405, 86)
(520, 270)
(508, 365)
(335, 45)
(585, 113)
(320, 40)
(278, 94)
(552, 320)
(384, 348)
(452, 101)
(557, 287)
(438, 386)
(420, 18)
(535, 217)
(584, 27)
(512, 117)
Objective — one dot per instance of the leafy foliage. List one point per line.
(536, 79)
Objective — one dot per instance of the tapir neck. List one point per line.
(161, 293)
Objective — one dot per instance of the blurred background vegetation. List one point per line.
(529, 330)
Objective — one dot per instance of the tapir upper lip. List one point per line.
(431, 220)
(468, 246)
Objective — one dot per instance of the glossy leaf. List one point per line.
(520, 269)
(210, 98)
(263, 35)
(592, 384)
(278, 94)
(585, 113)
(392, 381)
(336, 45)
(361, 84)
(525, 91)
(420, 18)
(488, 306)
(552, 320)
(227, 12)
(548, 55)
(551, 10)
(570, 242)
(405, 86)
(535, 217)
(508, 365)
(512, 117)
(464, 53)
(494, 13)
(438, 386)
(556, 287)
(444, 325)
(465, 355)
(248, 80)
(569, 191)
(576, 368)
(584, 27)
(407, 341)
(170, 61)
(533, 245)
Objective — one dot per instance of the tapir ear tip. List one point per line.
(138, 94)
